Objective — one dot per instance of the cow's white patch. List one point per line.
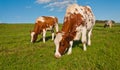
(40, 19)
(56, 27)
(49, 28)
(90, 23)
(88, 7)
(53, 36)
(32, 34)
(84, 47)
(57, 40)
(78, 33)
(44, 34)
(89, 37)
(84, 39)
(70, 48)
(81, 10)
(72, 9)
(52, 16)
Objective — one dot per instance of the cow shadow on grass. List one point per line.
(77, 44)
(46, 39)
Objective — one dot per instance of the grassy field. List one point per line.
(17, 53)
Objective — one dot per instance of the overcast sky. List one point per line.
(26, 11)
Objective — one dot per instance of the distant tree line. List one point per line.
(103, 21)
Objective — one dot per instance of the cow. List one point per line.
(78, 21)
(108, 24)
(42, 25)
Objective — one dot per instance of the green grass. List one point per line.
(17, 53)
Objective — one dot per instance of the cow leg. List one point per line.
(84, 31)
(57, 54)
(110, 25)
(56, 27)
(70, 48)
(89, 37)
(44, 34)
(52, 34)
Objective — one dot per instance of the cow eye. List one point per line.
(61, 43)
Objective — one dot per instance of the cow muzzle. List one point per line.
(57, 55)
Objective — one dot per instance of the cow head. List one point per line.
(33, 37)
(62, 43)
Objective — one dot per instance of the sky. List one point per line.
(26, 11)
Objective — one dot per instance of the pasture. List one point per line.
(18, 53)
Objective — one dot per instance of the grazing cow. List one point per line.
(43, 24)
(78, 21)
(108, 24)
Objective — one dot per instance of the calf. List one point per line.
(78, 21)
(43, 24)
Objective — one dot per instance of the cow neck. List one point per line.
(68, 29)
(71, 23)
(37, 29)
(67, 25)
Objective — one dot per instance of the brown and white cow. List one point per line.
(43, 24)
(108, 24)
(78, 21)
